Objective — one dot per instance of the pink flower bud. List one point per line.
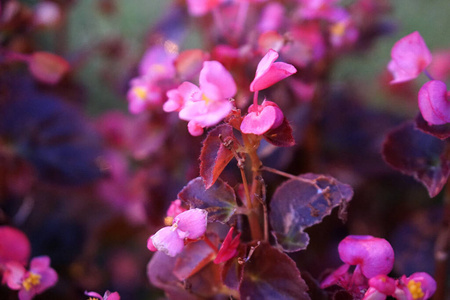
(373, 255)
(262, 118)
(270, 72)
(434, 102)
(410, 56)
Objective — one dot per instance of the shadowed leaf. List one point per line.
(219, 200)
(281, 136)
(271, 274)
(300, 203)
(440, 131)
(418, 154)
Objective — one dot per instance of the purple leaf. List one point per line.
(271, 274)
(219, 200)
(214, 156)
(418, 154)
(281, 136)
(302, 202)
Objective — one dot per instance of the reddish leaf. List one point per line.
(219, 200)
(418, 154)
(440, 131)
(271, 274)
(47, 67)
(300, 203)
(214, 156)
(281, 136)
(194, 257)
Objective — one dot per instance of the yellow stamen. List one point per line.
(206, 99)
(338, 29)
(168, 221)
(157, 68)
(31, 281)
(140, 92)
(415, 289)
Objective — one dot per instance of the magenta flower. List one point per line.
(418, 286)
(208, 104)
(262, 118)
(143, 93)
(190, 224)
(107, 296)
(270, 72)
(14, 246)
(199, 8)
(434, 102)
(30, 283)
(381, 286)
(410, 56)
(228, 249)
(374, 256)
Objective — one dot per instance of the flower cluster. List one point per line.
(373, 259)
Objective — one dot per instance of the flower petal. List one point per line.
(167, 240)
(192, 222)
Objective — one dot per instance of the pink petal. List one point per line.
(383, 284)
(373, 294)
(175, 209)
(39, 263)
(262, 118)
(167, 241)
(93, 294)
(194, 128)
(410, 56)
(375, 256)
(111, 296)
(150, 245)
(205, 114)
(192, 222)
(428, 284)
(26, 295)
(13, 275)
(14, 245)
(214, 73)
(433, 102)
(269, 73)
(340, 275)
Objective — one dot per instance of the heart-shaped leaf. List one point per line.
(271, 274)
(418, 154)
(215, 156)
(219, 200)
(302, 202)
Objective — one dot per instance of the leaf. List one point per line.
(219, 200)
(271, 274)
(302, 202)
(418, 154)
(194, 257)
(214, 156)
(440, 131)
(281, 136)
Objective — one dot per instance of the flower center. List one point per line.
(415, 289)
(32, 280)
(140, 92)
(206, 99)
(168, 221)
(338, 29)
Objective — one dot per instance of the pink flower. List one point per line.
(30, 283)
(410, 56)
(434, 102)
(418, 286)
(373, 255)
(158, 63)
(190, 224)
(107, 296)
(272, 17)
(228, 249)
(14, 246)
(199, 8)
(321, 9)
(381, 286)
(262, 118)
(269, 72)
(208, 104)
(143, 93)
(177, 97)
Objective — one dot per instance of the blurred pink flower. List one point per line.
(434, 102)
(175, 209)
(158, 62)
(272, 17)
(177, 97)
(107, 296)
(440, 66)
(381, 286)
(410, 56)
(14, 246)
(418, 286)
(270, 72)
(262, 118)
(190, 224)
(143, 94)
(30, 283)
(373, 255)
(321, 9)
(208, 104)
(199, 8)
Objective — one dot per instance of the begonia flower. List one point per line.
(374, 256)
(199, 8)
(209, 103)
(410, 56)
(36, 280)
(228, 249)
(190, 224)
(14, 246)
(434, 102)
(143, 93)
(262, 118)
(418, 286)
(177, 97)
(107, 296)
(381, 286)
(272, 17)
(321, 9)
(158, 62)
(270, 72)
